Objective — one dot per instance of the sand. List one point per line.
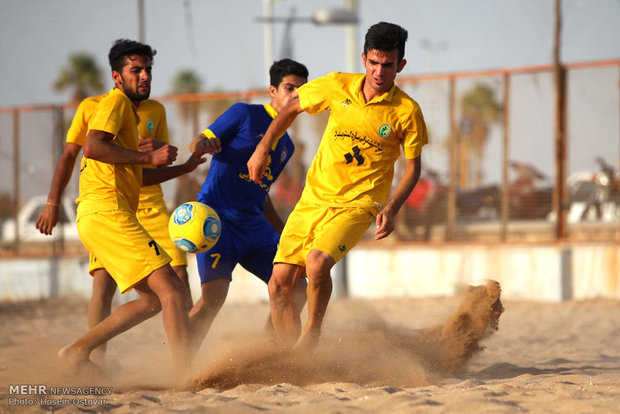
(401, 355)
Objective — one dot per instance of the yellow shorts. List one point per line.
(93, 264)
(155, 222)
(331, 230)
(121, 245)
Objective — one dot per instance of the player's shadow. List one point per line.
(504, 370)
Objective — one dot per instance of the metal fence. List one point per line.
(489, 170)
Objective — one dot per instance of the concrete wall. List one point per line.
(551, 272)
(541, 272)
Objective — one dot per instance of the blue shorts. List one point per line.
(252, 244)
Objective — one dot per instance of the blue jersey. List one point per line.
(228, 188)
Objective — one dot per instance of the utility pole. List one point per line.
(268, 36)
(352, 52)
(559, 77)
(141, 21)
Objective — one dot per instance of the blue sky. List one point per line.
(224, 43)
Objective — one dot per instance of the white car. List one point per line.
(27, 217)
(586, 191)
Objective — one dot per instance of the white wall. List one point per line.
(550, 272)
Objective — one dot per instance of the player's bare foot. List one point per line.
(308, 340)
(73, 356)
(76, 359)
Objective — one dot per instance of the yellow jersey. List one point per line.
(106, 186)
(151, 124)
(79, 125)
(354, 165)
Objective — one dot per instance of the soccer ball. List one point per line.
(194, 227)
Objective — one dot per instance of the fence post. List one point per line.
(58, 246)
(559, 75)
(454, 156)
(566, 273)
(16, 168)
(505, 206)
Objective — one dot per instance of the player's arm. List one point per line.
(257, 164)
(51, 212)
(210, 145)
(151, 176)
(272, 215)
(385, 218)
(149, 144)
(99, 147)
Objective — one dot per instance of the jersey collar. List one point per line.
(272, 112)
(116, 91)
(387, 96)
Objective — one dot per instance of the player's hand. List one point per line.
(209, 145)
(385, 224)
(195, 160)
(149, 144)
(165, 155)
(48, 218)
(257, 164)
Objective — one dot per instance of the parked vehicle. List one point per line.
(27, 217)
(594, 196)
(531, 195)
(530, 198)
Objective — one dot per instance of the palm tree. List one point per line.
(186, 81)
(479, 108)
(82, 74)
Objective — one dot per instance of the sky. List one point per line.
(223, 41)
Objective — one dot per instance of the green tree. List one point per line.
(186, 81)
(479, 109)
(82, 75)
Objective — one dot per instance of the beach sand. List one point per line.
(405, 355)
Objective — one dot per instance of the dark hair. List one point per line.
(286, 67)
(122, 48)
(386, 37)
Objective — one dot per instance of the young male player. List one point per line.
(349, 180)
(250, 224)
(111, 174)
(152, 212)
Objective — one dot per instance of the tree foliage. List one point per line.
(479, 109)
(186, 81)
(82, 75)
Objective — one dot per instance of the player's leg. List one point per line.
(131, 256)
(259, 245)
(124, 317)
(155, 221)
(161, 290)
(319, 291)
(181, 272)
(171, 294)
(340, 230)
(300, 294)
(299, 301)
(205, 310)
(100, 306)
(215, 268)
(284, 314)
